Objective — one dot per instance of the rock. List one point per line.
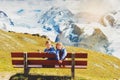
(97, 41)
(36, 35)
(107, 20)
(44, 36)
(76, 30)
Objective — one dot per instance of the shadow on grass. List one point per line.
(20, 76)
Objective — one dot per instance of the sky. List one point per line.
(76, 6)
(93, 6)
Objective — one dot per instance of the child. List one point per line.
(60, 52)
(49, 49)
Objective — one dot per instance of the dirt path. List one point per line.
(5, 75)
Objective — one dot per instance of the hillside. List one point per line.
(100, 66)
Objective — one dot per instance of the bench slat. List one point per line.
(77, 55)
(48, 62)
(17, 62)
(37, 55)
(17, 54)
(42, 55)
(56, 66)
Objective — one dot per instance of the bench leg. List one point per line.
(26, 71)
(73, 73)
(73, 67)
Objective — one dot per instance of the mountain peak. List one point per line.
(56, 19)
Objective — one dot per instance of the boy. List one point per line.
(49, 49)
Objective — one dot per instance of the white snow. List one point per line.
(112, 34)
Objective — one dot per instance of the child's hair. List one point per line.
(48, 42)
(59, 43)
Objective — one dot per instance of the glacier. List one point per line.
(60, 23)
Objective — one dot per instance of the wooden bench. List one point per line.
(29, 60)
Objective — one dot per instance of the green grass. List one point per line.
(100, 66)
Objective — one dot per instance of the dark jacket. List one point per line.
(50, 51)
(61, 54)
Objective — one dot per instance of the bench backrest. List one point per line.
(36, 59)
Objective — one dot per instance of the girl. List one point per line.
(60, 52)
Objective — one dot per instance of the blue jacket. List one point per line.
(61, 54)
(50, 51)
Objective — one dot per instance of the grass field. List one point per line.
(100, 66)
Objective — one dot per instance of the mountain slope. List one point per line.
(100, 66)
(11, 41)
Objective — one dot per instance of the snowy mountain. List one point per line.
(57, 19)
(50, 22)
(112, 31)
(101, 36)
(76, 36)
(87, 30)
(5, 20)
(111, 19)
